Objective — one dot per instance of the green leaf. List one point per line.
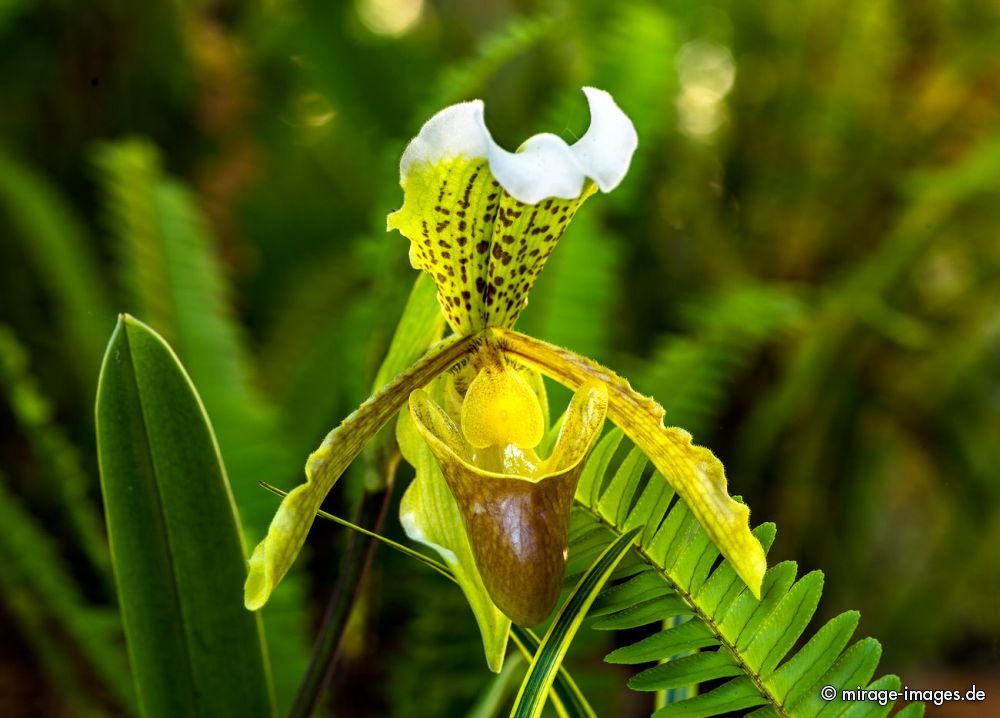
(640, 588)
(531, 697)
(783, 627)
(566, 694)
(686, 671)
(748, 612)
(177, 283)
(645, 612)
(684, 637)
(735, 695)
(854, 668)
(794, 678)
(175, 540)
(673, 585)
(592, 475)
(617, 498)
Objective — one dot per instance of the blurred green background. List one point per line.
(801, 265)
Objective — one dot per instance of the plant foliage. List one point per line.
(708, 626)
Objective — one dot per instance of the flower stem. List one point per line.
(353, 567)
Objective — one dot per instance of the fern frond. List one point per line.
(690, 374)
(54, 242)
(38, 590)
(709, 626)
(57, 459)
(469, 76)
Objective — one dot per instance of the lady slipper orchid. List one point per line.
(515, 507)
(482, 222)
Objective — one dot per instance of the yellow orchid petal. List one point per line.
(695, 473)
(448, 211)
(517, 525)
(274, 555)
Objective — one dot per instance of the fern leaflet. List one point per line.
(711, 627)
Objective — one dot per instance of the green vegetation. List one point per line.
(801, 266)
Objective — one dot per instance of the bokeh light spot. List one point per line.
(391, 18)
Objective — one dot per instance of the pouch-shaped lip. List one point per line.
(517, 525)
(518, 531)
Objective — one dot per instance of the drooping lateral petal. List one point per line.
(517, 525)
(694, 472)
(429, 515)
(482, 221)
(274, 555)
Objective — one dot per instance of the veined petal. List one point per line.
(274, 555)
(518, 531)
(694, 472)
(517, 526)
(482, 221)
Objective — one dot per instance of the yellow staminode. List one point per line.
(500, 409)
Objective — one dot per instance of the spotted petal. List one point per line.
(482, 221)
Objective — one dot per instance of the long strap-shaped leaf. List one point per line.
(175, 540)
(566, 695)
(535, 687)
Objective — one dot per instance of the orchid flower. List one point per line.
(482, 222)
